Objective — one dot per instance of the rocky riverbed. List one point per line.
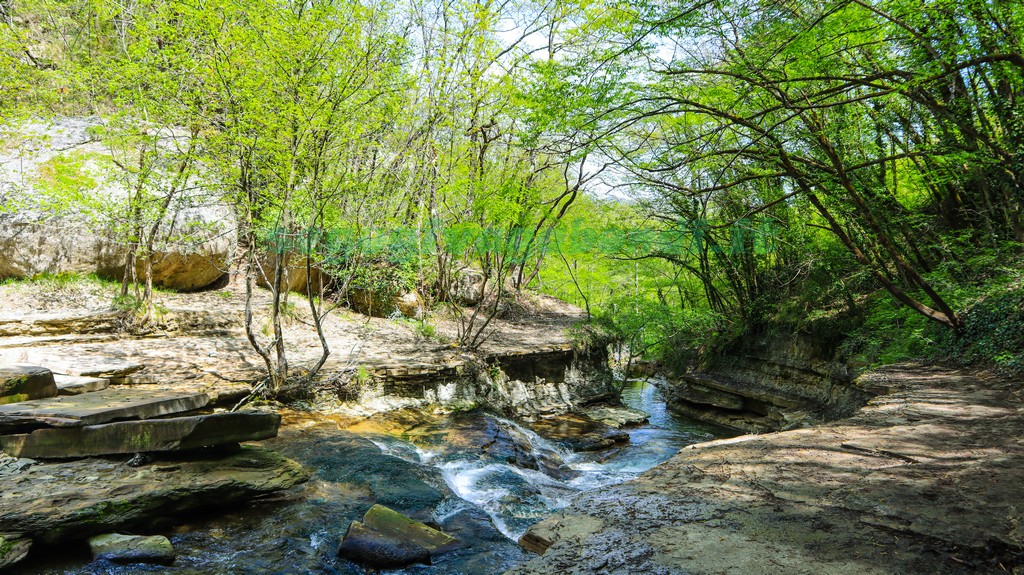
(925, 479)
(480, 478)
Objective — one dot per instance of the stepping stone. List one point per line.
(75, 384)
(132, 548)
(101, 407)
(123, 437)
(20, 382)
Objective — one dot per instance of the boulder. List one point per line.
(132, 548)
(387, 539)
(40, 235)
(392, 523)
(13, 548)
(124, 437)
(411, 304)
(376, 304)
(467, 287)
(379, 551)
(25, 382)
(294, 274)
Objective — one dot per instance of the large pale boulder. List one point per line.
(377, 304)
(467, 288)
(295, 275)
(57, 185)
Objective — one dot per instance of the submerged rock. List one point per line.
(579, 432)
(25, 382)
(615, 415)
(132, 548)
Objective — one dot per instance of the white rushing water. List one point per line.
(515, 497)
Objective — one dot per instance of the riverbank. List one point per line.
(925, 479)
(376, 364)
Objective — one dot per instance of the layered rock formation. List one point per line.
(769, 382)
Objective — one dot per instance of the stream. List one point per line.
(482, 478)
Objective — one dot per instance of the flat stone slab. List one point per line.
(102, 407)
(21, 382)
(148, 435)
(76, 384)
(54, 501)
(87, 368)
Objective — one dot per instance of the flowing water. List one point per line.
(439, 473)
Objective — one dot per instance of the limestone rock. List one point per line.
(386, 539)
(101, 407)
(132, 548)
(13, 548)
(467, 288)
(198, 235)
(411, 304)
(694, 392)
(25, 382)
(104, 495)
(294, 273)
(368, 547)
(543, 534)
(579, 432)
(173, 434)
(615, 415)
(74, 384)
(374, 304)
(95, 368)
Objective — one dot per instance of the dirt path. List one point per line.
(925, 479)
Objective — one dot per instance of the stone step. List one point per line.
(20, 382)
(124, 437)
(135, 379)
(75, 384)
(101, 407)
(95, 368)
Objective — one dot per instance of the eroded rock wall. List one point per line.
(524, 383)
(770, 381)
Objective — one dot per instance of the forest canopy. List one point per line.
(687, 171)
